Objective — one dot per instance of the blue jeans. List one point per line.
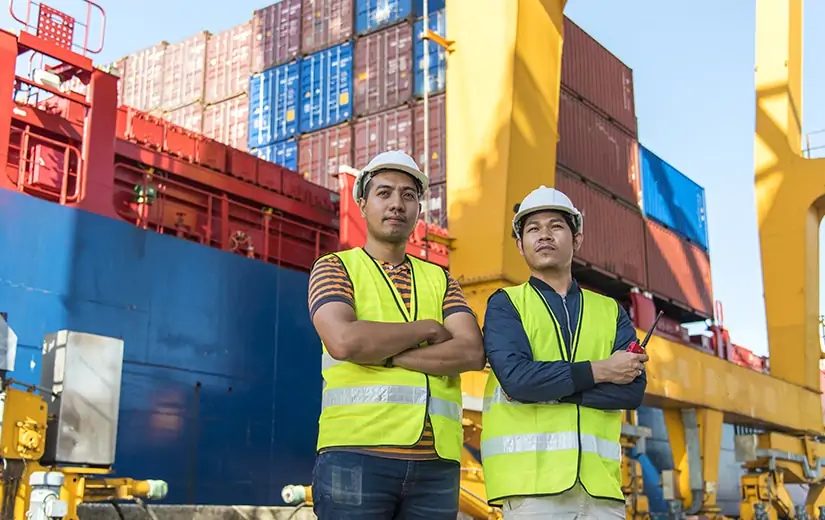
(350, 486)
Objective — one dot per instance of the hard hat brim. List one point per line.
(522, 214)
(416, 174)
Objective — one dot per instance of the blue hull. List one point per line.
(221, 384)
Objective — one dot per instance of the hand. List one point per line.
(437, 333)
(621, 368)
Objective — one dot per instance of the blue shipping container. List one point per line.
(284, 153)
(673, 199)
(372, 15)
(273, 105)
(437, 74)
(211, 371)
(326, 88)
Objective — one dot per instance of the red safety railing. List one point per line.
(56, 26)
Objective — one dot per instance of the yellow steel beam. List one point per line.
(504, 76)
(790, 197)
(679, 376)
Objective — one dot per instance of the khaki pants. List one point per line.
(575, 504)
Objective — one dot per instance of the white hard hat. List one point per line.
(391, 160)
(547, 199)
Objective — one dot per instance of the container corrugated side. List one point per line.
(435, 211)
(228, 60)
(390, 130)
(325, 23)
(591, 71)
(678, 270)
(383, 75)
(284, 153)
(273, 105)
(184, 74)
(372, 15)
(176, 305)
(671, 198)
(141, 83)
(436, 76)
(321, 155)
(614, 232)
(597, 149)
(326, 88)
(438, 138)
(276, 33)
(226, 122)
(189, 117)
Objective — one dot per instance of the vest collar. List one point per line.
(541, 285)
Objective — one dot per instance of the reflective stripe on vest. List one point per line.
(545, 448)
(374, 406)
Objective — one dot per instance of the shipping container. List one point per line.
(672, 198)
(390, 130)
(284, 153)
(326, 88)
(226, 122)
(371, 15)
(321, 155)
(597, 149)
(141, 83)
(189, 117)
(435, 210)
(276, 33)
(614, 235)
(678, 270)
(184, 72)
(592, 72)
(273, 104)
(325, 23)
(382, 74)
(437, 138)
(228, 60)
(435, 77)
(748, 359)
(206, 371)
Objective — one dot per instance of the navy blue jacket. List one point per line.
(525, 380)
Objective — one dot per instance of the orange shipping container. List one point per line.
(325, 23)
(276, 34)
(678, 270)
(436, 211)
(227, 121)
(390, 130)
(321, 155)
(613, 231)
(184, 72)
(228, 61)
(592, 72)
(189, 117)
(597, 149)
(438, 137)
(383, 72)
(141, 82)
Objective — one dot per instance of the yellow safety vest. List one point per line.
(546, 448)
(375, 406)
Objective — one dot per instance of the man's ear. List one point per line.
(520, 246)
(578, 238)
(362, 205)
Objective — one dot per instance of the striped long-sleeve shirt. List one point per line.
(328, 282)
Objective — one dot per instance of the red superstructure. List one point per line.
(84, 151)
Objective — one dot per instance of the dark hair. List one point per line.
(568, 218)
(370, 176)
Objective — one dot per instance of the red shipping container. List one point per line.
(677, 269)
(322, 153)
(438, 138)
(325, 23)
(277, 34)
(435, 211)
(597, 149)
(228, 60)
(189, 117)
(614, 237)
(383, 75)
(226, 122)
(184, 72)
(592, 72)
(390, 130)
(141, 84)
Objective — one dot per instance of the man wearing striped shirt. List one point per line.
(396, 332)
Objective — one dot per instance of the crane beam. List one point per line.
(790, 198)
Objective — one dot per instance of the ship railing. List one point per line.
(58, 27)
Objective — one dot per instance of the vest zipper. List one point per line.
(578, 408)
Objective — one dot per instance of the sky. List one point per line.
(692, 64)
